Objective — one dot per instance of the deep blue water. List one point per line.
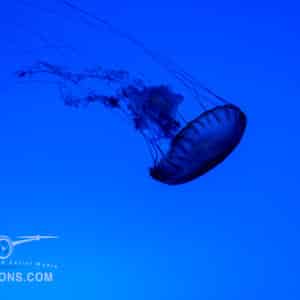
(82, 174)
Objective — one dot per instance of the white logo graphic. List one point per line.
(7, 245)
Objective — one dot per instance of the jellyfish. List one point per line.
(181, 149)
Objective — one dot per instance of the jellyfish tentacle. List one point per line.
(46, 43)
(180, 74)
(187, 80)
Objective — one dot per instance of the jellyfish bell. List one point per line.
(201, 145)
(182, 147)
